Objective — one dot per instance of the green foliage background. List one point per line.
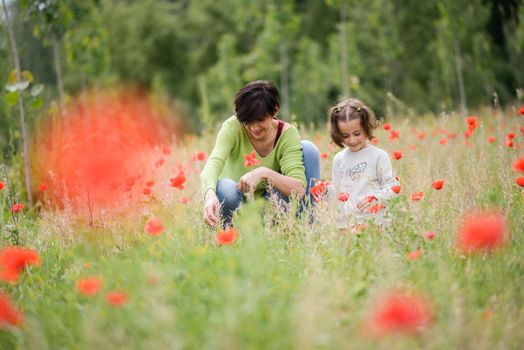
(419, 53)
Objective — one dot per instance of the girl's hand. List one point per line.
(366, 203)
(250, 181)
(211, 209)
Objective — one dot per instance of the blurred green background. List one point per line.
(403, 56)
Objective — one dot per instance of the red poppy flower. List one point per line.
(324, 155)
(412, 147)
(414, 255)
(421, 136)
(185, 200)
(397, 155)
(387, 126)
(400, 312)
(14, 259)
(150, 183)
(146, 191)
(521, 110)
(2, 185)
(396, 188)
(491, 139)
(89, 286)
(394, 135)
(200, 156)
(520, 181)
(468, 133)
(438, 184)
(153, 279)
(511, 136)
(319, 190)
(443, 141)
(343, 196)
(117, 298)
(159, 163)
(154, 227)
(471, 120)
(376, 208)
(430, 235)
(17, 208)
(43, 187)
(375, 140)
(417, 196)
(518, 165)
(251, 159)
(482, 231)
(9, 314)
(178, 181)
(226, 237)
(371, 198)
(452, 135)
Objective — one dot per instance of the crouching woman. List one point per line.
(254, 148)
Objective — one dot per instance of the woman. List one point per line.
(282, 159)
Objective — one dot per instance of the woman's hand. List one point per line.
(211, 208)
(249, 181)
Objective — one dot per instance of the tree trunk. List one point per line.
(344, 50)
(284, 79)
(58, 73)
(25, 140)
(460, 78)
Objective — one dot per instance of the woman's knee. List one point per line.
(311, 159)
(310, 151)
(228, 193)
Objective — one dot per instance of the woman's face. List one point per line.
(259, 129)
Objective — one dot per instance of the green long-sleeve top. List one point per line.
(232, 144)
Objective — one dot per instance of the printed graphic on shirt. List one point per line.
(355, 171)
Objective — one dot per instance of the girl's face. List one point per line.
(259, 129)
(353, 135)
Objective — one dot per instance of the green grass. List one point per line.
(288, 285)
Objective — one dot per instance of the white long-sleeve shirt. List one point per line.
(367, 172)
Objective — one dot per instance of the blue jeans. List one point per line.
(231, 198)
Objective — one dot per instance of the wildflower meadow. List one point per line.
(448, 274)
(117, 116)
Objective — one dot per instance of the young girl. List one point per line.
(362, 175)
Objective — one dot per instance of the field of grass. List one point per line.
(286, 283)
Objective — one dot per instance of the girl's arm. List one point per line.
(341, 217)
(386, 178)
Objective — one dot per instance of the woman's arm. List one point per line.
(212, 169)
(225, 142)
(284, 184)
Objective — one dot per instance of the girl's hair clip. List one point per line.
(359, 108)
(337, 109)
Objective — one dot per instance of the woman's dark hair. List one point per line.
(347, 110)
(256, 101)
